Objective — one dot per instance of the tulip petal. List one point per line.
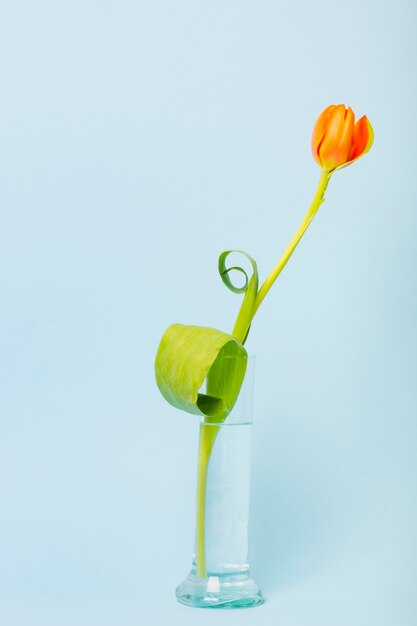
(342, 150)
(361, 134)
(319, 131)
(362, 140)
(333, 151)
(370, 138)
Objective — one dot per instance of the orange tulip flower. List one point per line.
(337, 140)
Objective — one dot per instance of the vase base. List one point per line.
(219, 591)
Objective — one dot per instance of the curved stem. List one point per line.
(317, 201)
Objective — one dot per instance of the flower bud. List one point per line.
(337, 140)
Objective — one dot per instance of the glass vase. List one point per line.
(220, 576)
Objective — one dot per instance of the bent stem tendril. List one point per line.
(208, 434)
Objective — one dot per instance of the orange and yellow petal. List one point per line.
(319, 130)
(361, 134)
(334, 148)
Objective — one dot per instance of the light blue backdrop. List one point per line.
(137, 141)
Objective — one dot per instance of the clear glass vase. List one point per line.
(220, 576)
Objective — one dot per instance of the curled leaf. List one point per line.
(250, 289)
(190, 355)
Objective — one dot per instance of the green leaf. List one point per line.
(190, 355)
(250, 289)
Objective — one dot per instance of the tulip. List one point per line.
(337, 140)
(188, 355)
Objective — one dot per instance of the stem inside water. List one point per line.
(208, 434)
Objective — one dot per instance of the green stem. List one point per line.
(208, 434)
(317, 201)
(200, 556)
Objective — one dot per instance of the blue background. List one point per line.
(137, 141)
